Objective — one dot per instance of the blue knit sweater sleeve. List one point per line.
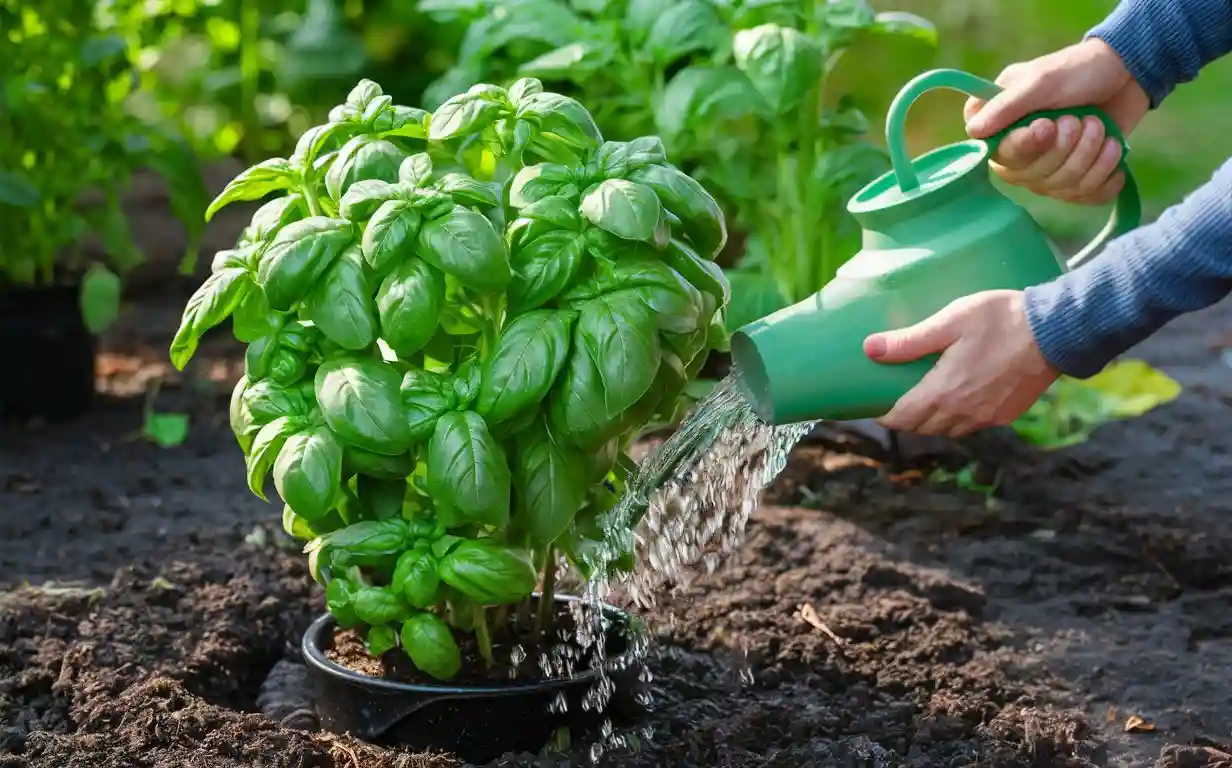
(1180, 263)
(1164, 43)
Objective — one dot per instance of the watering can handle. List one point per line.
(1126, 212)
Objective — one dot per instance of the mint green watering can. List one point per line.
(935, 230)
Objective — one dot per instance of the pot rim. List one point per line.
(314, 656)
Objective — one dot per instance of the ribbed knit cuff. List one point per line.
(1128, 32)
(1165, 43)
(1065, 337)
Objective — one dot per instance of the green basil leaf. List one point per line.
(266, 447)
(426, 396)
(287, 366)
(523, 89)
(430, 644)
(381, 498)
(341, 303)
(529, 356)
(321, 138)
(675, 303)
(358, 461)
(377, 605)
(626, 210)
(562, 117)
(369, 542)
(266, 401)
(617, 159)
(535, 182)
(362, 95)
(416, 579)
(239, 417)
(464, 114)
(464, 244)
(698, 211)
(543, 268)
(359, 400)
(255, 183)
(550, 478)
(390, 235)
(252, 318)
(299, 528)
(489, 572)
(467, 472)
(339, 599)
(704, 275)
(467, 191)
(308, 472)
(577, 405)
(686, 26)
(243, 256)
(466, 382)
(298, 256)
(381, 640)
(703, 97)
(410, 122)
(360, 159)
(364, 198)
(219, 296)
(782, 63)
(275, 215)
(669, 382)
(575, 62)
(409, 302)
(416, 170)
(618, 332)
(558, 211)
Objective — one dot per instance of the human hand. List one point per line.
(1067, 159)
(989, 373)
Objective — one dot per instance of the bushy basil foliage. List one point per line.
(456, 322)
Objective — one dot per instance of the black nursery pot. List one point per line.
(477, 723)
(48, 354)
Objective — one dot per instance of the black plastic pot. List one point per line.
(477, 723)
(47, 352)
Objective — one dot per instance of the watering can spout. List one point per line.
(935, 230)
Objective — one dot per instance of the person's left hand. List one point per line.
(990, 371)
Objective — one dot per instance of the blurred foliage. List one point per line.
(247, 77)
(68, 144)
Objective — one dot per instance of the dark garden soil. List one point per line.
(871, 619)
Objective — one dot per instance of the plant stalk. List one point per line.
(482, 635)
(547, 602)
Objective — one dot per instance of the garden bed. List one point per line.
(872, 618)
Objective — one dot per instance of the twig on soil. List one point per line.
(350, 753)
(808, 614)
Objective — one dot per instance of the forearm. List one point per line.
(1180, 263)
(1165, 43)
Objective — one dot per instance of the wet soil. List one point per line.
(873, 618)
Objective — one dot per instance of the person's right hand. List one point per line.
(1068, 159)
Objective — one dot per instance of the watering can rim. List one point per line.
(873, 198)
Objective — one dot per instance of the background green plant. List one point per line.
(68, 145)
(456, 324)
(247, 77)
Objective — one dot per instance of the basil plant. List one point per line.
(456, 323)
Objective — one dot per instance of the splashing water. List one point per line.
(689, 502)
